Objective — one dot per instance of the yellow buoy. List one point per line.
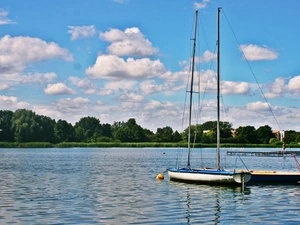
(160, 176)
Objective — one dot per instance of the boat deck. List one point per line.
(263, 153)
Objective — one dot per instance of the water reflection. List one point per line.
(218, 209)
(211, 204)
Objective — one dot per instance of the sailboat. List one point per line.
(205, 175)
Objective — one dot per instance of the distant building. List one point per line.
(279, 134)
(233, 133)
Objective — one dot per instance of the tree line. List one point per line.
(25, 125)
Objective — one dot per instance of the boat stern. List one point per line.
(242, 177)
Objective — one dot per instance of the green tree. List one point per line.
(164, 134)
(123, 134)
(6, 133)
(297, 140)
(25, 125)
(149, 135)
(225, 131)
(64, 131)
(246, 134)
(86, 127)
(209, 137)
(209, 125)
(275, 141)
(264, 134)
(46, 130)
(196, 133)
(137, 132)
(106, 130)
(129, 131)
(290, 136)
(102, 134)
(177, 137)
(115, 127)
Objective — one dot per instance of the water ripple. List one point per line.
(118, 186)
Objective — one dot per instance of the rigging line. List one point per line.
(197, 109)
(251, 70)
(224, 108)
(212, 68)
(204, 34)
(186, 93)
(187, 83)
(211, 65)
(189, 73)
(205, 86)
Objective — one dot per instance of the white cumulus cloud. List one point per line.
(276, 89)
(201, 5)
(294, 84)
(258, 106)
(58, 89)
(131, 97)
(17, 52)
(3, 17)
(112, 67)
(38, 78)
(81, 32)
(230, 87)
(4, 87)
(130, 42)
(12, 102)
(207, 57)
(149, 87)
(253, 52)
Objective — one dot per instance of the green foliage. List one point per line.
(210, 134)
(275, 141)
(6, 133)
(196, 133)
(26, 145)
(264, 134)
(177, 137)
(297, 139)
(149, 135)
(104, 139)
(164, 134)
(46, 131)
(246, 134)
(290, 136)
(86, 127)
(130, 132)
(29, 127)
(25, 128)
(210, 137)
(64, 131)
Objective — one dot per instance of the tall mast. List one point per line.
(218, 92)
(191, 92)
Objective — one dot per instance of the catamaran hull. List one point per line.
(209, 176)
(274, 177)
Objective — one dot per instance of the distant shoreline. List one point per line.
(132, 145)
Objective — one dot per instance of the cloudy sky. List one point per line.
(121, 59)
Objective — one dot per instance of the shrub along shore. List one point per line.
(133, 145)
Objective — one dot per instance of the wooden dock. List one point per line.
(263, 153)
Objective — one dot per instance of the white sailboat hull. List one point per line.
(209, 176)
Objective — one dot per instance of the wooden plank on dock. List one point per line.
(263, 153)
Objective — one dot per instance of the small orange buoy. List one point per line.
(160, 176)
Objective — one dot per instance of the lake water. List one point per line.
(118, 186)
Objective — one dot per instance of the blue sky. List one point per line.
(121, 59)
